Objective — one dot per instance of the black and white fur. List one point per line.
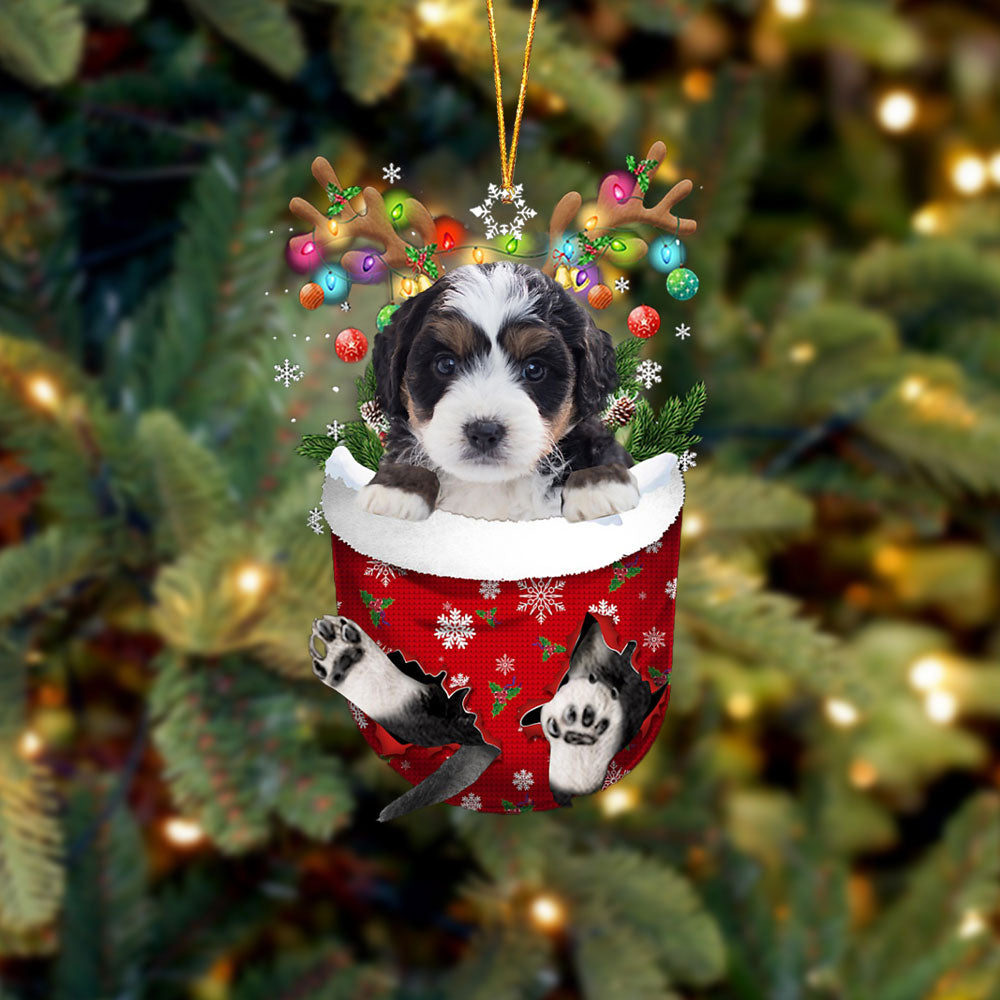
(599, 707)
(492, 381)
(410, 705)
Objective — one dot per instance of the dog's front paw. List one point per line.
(598, 492)
(390, 501)
(338, 650)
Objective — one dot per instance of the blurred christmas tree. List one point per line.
(185, 813)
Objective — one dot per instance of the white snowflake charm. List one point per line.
(392, 173)
(288, 373)
(621, 284)
(682, 331)
(315, 520)
(648, 372)
(687, 460)
(511, 196)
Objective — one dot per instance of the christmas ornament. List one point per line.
(384, 316)
(302, 254)
(666, 253)
(508, 196)
(351, 345)
(682, 284)
(599, 296)
(563, 276)
(311, 295)
(335, 283)
(643, 321)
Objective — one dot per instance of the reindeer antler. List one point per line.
(614, 210)
(373, 222)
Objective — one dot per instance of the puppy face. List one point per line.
(492, 369)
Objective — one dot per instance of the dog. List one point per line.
(409, 704)
(600, 705)
(492, 381)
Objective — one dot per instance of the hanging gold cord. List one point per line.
(507, 164)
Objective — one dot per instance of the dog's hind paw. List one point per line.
(341, 640)
(599, 492)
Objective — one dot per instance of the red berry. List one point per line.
(351, 344)
(643, 321)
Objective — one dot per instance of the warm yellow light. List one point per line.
(927, 673)
(994, 167)
(590, 223)
(182, 832)
(912, 387)
(618, 799)
(791, 10)
(433, 12)
(968, 174)
(547, 912)
(927, 220)
(897, 110)
(251, 579)
(30, 744)
(333, 227)
(697, 84)
(43, 391)
(478, 256)
(972, 924)
(802, 353)
(941, 706)
(862, 773)
(889, 560)
(840, 712)
(740, 705)
(693, 525)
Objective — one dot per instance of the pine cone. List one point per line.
(371, 414)
(619, 413)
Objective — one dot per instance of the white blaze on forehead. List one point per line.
(491, 298)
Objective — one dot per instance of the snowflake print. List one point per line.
(484, 211)
(345, 307)
(687, 461)
(642, 595)
(682, 331)
(654, 639)
(359, 717)
(315, 520)
(505, 663)
(404, 765)
(621, 284)
(603, 607)
(671, 588)
(523, 780)
(454, 629)
(392, 173)
(489, 588)
(541, 598)
(614, 774)
(654, 546)
(335, 430)
(287, 373)
(459, 680)
(383, 572)
(648, 372)
(472, 801)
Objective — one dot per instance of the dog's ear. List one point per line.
(392, 348)
(591, 638)
(596, 374)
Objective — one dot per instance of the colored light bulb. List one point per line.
(591, 222)
(397, 212)
(308, 248)
(368, 264)
(478, 256)
(619, 245)
(512, 245)
(448, 242)
(333, 227)
(619, 192)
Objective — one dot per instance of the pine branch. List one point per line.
(41, 42)
(669, 431)
(324, 972)
(373, 48)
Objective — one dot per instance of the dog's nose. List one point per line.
(484, 435)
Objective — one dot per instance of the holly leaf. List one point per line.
(633, 571)
(614, 585)
(367, 598)
(376, 616)
(386, 601)
(495, 688)
(512, 693)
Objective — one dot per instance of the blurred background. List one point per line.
(185, 813)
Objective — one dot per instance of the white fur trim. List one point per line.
(447, 544)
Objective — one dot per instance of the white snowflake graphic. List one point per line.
(654, 546)
(621, 284)
(614, 774)
(682, 331)
(288, 373)
(315, 520)
(687, 461)
(541, 598)
(335, 430)
(523, 780)
(648, 372)
(383, 572)
(654, 639)
(392, 173)
(603, 607)
(359, 717)
(642, 595)
(505, 663)
(484, 211)
(471, 801)
(345, 307)
(671, 588)
(459, 680)
(454, 629)
(404, 765)
(489, 588)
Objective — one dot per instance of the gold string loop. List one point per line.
(507, 163)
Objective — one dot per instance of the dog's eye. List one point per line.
(533, 370)
(445, 364)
